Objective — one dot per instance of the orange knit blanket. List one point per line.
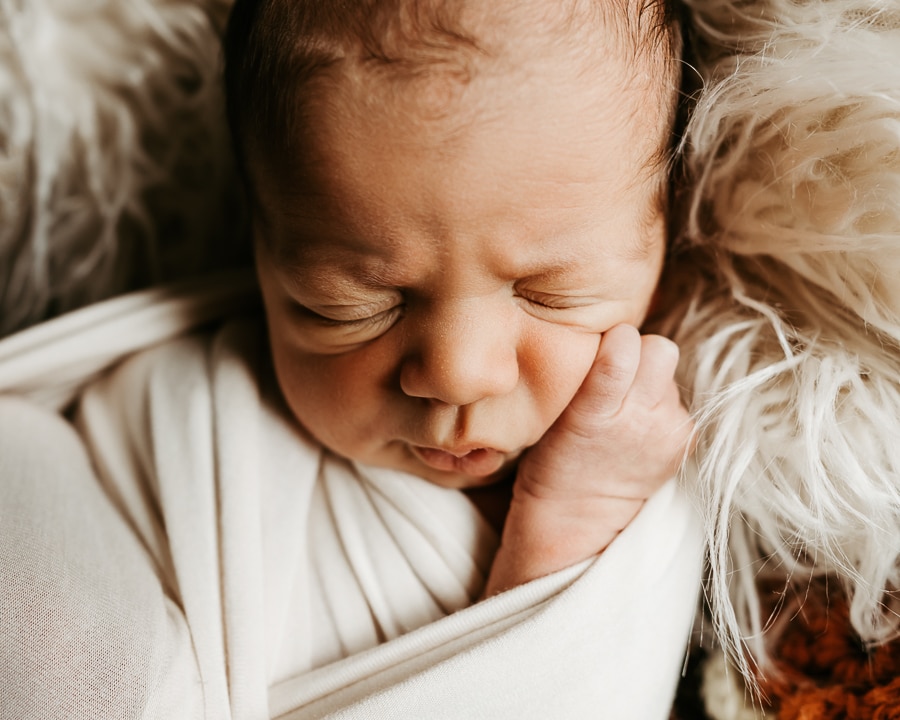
(827, 673)
(822, 671)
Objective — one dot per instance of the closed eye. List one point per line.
(590, 313)
(336, 334)
(343, 315)
(362, 322)
(555, 302)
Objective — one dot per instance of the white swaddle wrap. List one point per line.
(241, 571)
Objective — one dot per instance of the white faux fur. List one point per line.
(791, 344)
(113, 151)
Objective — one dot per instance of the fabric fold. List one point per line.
(301, 585)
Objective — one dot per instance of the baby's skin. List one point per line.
(623, 435)
(454, 273)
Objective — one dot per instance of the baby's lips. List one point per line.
(478, 462)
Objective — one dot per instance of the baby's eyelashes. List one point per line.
(347, 326)
(553, 302)
(589, 313)
(337, 327)
(361, 322)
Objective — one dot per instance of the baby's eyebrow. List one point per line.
(300, 213)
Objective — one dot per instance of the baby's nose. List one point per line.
(462, 356)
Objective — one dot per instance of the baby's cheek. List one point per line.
(553, 366)
(342, 400)
(295, 385)
(308, 390)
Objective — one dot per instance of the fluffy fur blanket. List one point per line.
(114, 164)
(786, 278)
(791, 334)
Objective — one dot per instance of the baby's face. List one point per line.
(436, 289)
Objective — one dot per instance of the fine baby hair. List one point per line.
(276, 50)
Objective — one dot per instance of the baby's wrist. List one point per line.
(574, 525)
(543, 535)
(566, 507)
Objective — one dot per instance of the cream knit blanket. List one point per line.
(189, 553)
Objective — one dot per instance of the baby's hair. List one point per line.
(277, 50)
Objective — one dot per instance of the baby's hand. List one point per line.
(622, 436)
(624, 433)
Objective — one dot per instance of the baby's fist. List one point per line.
(621, 437)
(623, 434)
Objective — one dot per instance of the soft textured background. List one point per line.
(115, 170)
(794, 149)
(790, 324)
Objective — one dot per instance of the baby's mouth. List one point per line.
(478, 462)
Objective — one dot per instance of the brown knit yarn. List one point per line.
(826, 673)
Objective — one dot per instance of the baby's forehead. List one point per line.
(445, 108)
(432, 52)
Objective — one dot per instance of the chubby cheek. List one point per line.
(335, 402)
(554, 363)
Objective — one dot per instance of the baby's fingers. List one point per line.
(607, 384)
(654, 378)
(655, 390)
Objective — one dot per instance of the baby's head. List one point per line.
(452, 200)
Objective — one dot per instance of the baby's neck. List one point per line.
(492, 501)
